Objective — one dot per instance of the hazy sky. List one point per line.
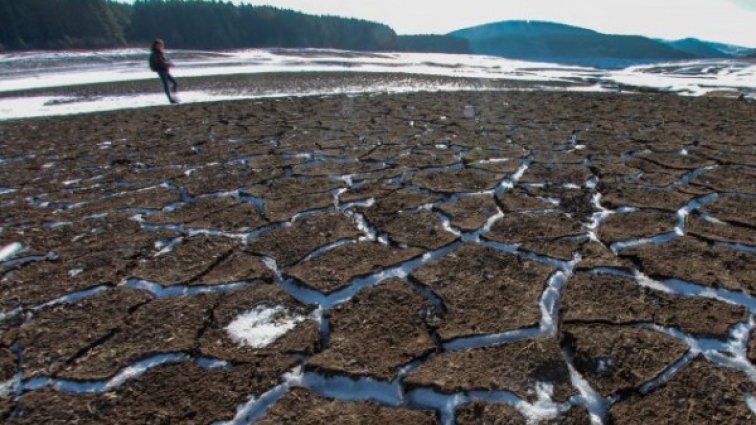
(731, 21)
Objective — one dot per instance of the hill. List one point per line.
(696, 47)
(546, 41)
(65, 24)
(59, 24)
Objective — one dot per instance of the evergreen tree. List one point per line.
(35, 24)
(216, 24)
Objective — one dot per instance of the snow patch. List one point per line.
(11, 250)
(262, 326)
(544, 409)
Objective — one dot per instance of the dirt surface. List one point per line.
(377, 332)
(336, 268)
(616, 358)
(470, 214)
(302, 407)
(681, 258)
(623, 195)
(518, 367)
(291, 244)
(543, 233)
(700, 393)
(479, 413)
(635, 225)
(190, 261)
(485, 291)
(708, 229)
(620, 300)
(735, 208)
(386, 258)
(180, 393)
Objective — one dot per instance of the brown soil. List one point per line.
(618, 300)
(596, 254)
(457, 180)
(682, 258)
(620, 195)
(192, 258)
(615, 358)
(485, 291)
(728, 178)
(479, 413)
(177, 393)
(238, 265)
(420, 229)
(303, 408)
(733, 208)
(470, 214)
(203, 259)
(556, 174)
(721, 232)
(641, 224)
(518, 199)
(95, 198)
(303, 237)
(539, 233)
(700, 393)
(49, 347)
(336, 268)
(377, 332)
(517, 367)
(222, 214)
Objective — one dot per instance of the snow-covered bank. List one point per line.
(48, 70)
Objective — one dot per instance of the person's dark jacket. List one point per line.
(158, 62)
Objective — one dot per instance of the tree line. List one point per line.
(194, 24)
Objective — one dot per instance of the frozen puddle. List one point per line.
(262, 326)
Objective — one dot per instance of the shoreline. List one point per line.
(91, 98)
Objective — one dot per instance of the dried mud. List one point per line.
(554, 258)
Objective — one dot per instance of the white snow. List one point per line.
(11, 250)
(544, 408)
(751, 401)
(263, 325)
(54, 70)
(7, 388)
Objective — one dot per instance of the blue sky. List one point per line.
(731, 21)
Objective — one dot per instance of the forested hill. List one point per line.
(51, 24)
(65, 24)
(547, 41)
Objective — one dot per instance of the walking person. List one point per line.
(162, 66)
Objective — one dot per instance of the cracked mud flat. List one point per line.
(468, 258)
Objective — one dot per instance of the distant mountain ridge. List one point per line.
(547, 41)
(554, 42)
(696, 47)
(705, 48)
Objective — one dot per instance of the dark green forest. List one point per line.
(55, 24)
(65, 24)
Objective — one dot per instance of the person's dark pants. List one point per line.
(166, 78)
